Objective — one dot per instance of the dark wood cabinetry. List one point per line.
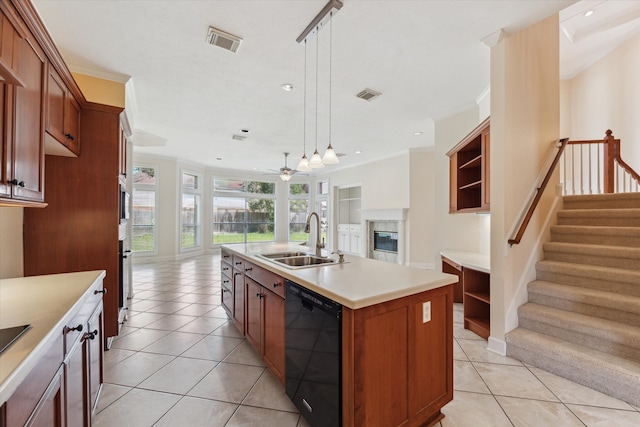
(83, 214)
(63, 114)
(453, 267)
(397, 368)
(22, 177)
(469, 172)
(477, 302)
(265, 316)
(9, 51)
(226, 284)
(238, 293)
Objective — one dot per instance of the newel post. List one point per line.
(609, 156)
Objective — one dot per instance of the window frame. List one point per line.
(197, 192)
(146, 187)
(296, 197)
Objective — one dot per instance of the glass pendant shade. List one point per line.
(303, 166)
(330, 157)
(316, 161)
(285, 176)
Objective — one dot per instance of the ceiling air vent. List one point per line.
(239, 137)
(368, 94)
(224, 40)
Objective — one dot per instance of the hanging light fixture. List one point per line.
(325, 15)
(330, 157)
(286, 172)
(316, 161)
(303, 166)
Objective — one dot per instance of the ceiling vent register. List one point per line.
(224, 40)
(368, 94)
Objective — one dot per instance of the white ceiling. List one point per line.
(426, 57)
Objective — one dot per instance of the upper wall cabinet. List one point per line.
(63, 115)
(9, 52)
(469, 172)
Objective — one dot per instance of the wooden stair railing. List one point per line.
(538, 194)
(610, 163)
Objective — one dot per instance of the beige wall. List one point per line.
(607, 96)
(101, 91)
(525, 120)
(11, 246)
(460, 231)
(421, 216)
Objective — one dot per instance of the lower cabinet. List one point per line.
(63, 388)
(265, 325)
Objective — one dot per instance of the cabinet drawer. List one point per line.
(225, 268)
(226, 256)
(78, 325)
(355, 229)
(238, 262)
(269, 280)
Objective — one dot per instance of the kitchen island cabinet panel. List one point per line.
(252, 329)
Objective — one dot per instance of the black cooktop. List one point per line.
(9, 335)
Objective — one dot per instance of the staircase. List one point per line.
(582, 320)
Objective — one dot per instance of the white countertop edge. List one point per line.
(442, 279)
(473, 260)
(22, 370)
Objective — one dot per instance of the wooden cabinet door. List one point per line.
(56, 90)
(72, 123)
(227, 294)
(74, 374)
(94, 357)
(50, 409)
(238, 299)
(28, 146)
(9, 51)
(273, 337)
(253, 326)
(6, 102)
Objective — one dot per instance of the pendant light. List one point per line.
(316, 161)
(303, 166)
(330, 157)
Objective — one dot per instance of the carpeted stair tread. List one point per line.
(596, 230)
(592, 254)
(604, 372)
(612, 300)
(629, 217)
(582, 325)
(590, 201)
(607, 274)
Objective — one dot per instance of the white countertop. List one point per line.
(473, 260)
(47, 303)
(358, 283)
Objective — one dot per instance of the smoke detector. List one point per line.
(368, 94)
(224, 40)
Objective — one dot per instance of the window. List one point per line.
(190, 212)
(298, 211)
(243, 211)
(143, 225)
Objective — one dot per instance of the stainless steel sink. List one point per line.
(297, 260)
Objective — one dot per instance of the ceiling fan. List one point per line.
(285, 172)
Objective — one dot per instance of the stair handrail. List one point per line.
(538, 194)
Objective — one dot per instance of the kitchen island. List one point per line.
(396, 329)
(52, 373)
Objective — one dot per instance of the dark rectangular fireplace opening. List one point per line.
(385, 241)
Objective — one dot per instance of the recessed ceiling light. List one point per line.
(417, 133)
(589, 12)
(358, 152)
(288, 87)
(218, 158)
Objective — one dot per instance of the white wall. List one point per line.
(607, 96)
(421, 222)
(11, 246)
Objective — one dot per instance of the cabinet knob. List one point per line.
(238, 262)
(90, 335)
(77, 328)
(225, 281)
(237, 273)
(69, 136)
(16, 182)
(104, 291)
(275, 285)
(248, 269)
(225, 290)
(259, 295)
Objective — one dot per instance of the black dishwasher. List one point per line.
(313, 355)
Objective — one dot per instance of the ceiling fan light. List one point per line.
(285, 176)
(330, 157)
(303, 166)
(316, 161)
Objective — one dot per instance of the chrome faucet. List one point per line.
(307, 229)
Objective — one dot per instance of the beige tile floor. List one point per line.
(179, 362)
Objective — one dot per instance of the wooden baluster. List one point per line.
(609, 167)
